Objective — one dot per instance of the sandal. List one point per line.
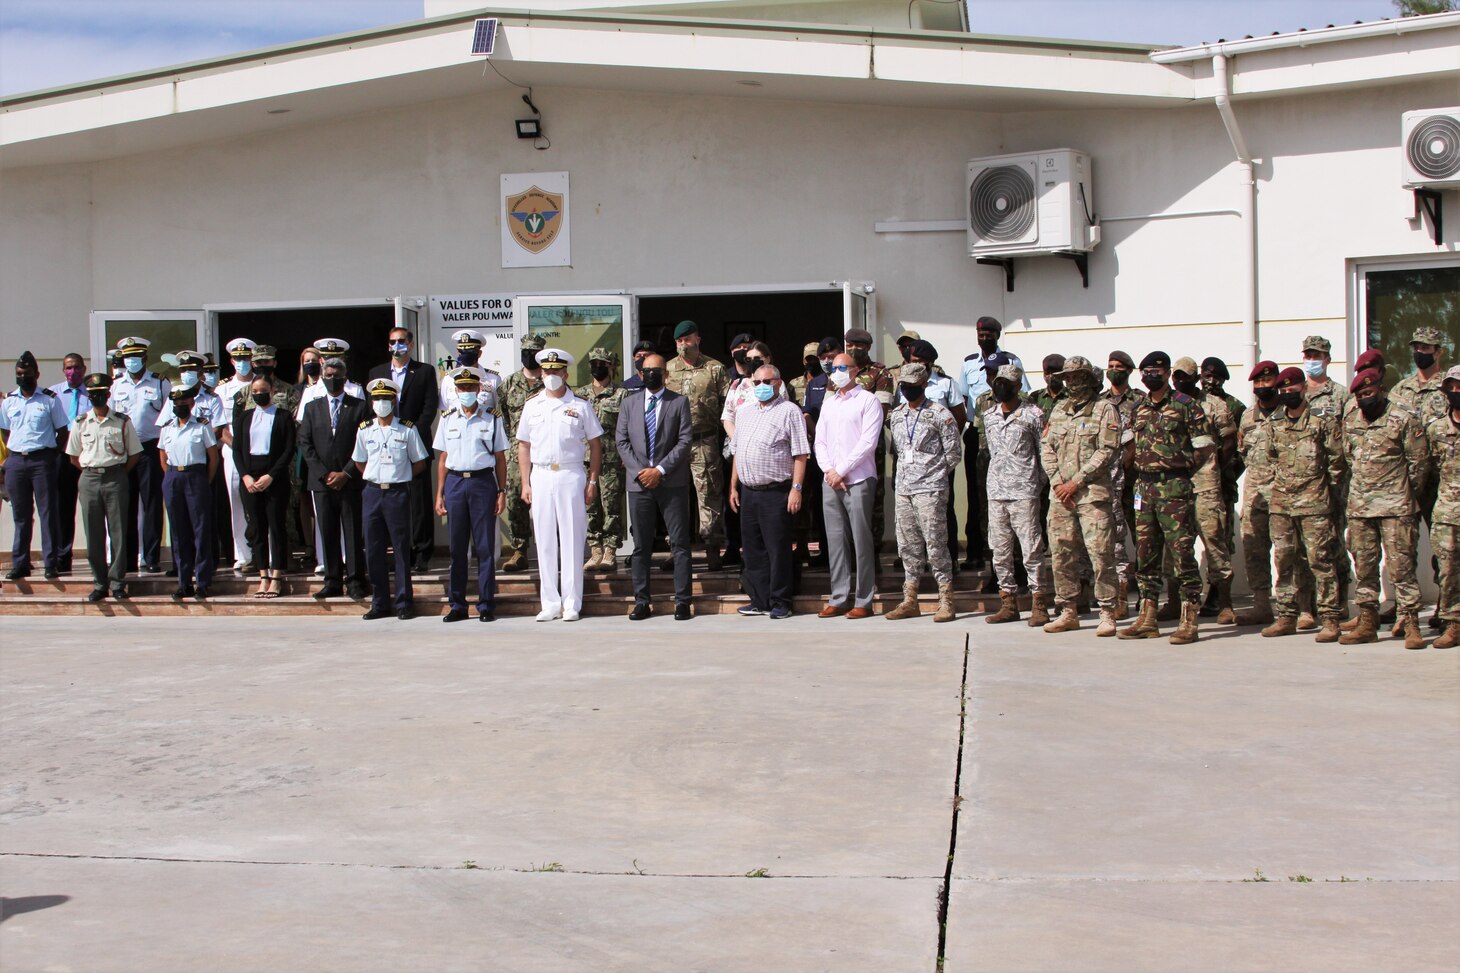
(262, 592)
(276, 583)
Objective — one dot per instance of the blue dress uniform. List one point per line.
(386, 455)
(68, 484)
(469, 443)
(142, 396)
(189, 448)
(32, 469)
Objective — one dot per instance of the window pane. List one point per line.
(578, 329)
(1399, 301)
(167, 337)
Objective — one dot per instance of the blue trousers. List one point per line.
(471, 523)
(145, 509)
(189, 501)
(32, 481)
(387, 516)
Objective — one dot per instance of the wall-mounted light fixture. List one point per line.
(530, 128)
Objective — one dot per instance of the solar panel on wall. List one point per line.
(484, 38)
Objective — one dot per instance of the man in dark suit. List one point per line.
(653, 439)
(420, 399)
(327, 440)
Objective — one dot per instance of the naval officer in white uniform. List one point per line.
(557, 431)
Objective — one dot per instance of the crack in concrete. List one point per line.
(945, 890)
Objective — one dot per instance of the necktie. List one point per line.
(649, 424)
(334, 413)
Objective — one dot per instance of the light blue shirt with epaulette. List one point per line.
(388, 451)
(470, 442)
(32, 421)
(142, 400)
(208, 409)
(73, 401)
(186, 445)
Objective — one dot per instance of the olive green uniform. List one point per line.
(705, 384)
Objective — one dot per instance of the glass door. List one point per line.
(578, 324)
(1394, 298)
(169, 331)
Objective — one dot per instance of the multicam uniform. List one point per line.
(1443, 438)
(512, 396)
(1015, 486)
(877, 379)
(1082, 444)
(1211, 504)
(1425, 399)
(1306, 457)
(1388, 461)
(605, 514)
(1232, 471)
(705, 384)
(1336, 401)
(1252, 445)
(1122, 482)
(1167, 435)
(927, 447)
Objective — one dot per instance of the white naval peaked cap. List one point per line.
(332, 346)
(238, 345)
(382, 388)
(554, 358)
(133, 344)
(466, 336)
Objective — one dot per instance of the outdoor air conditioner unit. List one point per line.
(1432, 149)
(1031, 203)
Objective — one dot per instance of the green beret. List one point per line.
(685, 328)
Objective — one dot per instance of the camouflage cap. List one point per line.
(1316, 342)
(1077, 367)
(268, 352)
(1428, 336)
(602, 354)
(913, 373)
(908, 335)
(1453, 375)
(810, 349)
(1011, 373)
(533, 342)
(1186, 364)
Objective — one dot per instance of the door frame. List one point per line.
(205, 329)
(1358, 304)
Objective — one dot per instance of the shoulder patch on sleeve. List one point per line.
(49, 392)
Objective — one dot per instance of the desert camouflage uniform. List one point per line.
(1167, 435)
(705, 385)
(1015, 487)
(1206, 485)
(1252, 444)
(512, 396)
(1047, 401)
(1122, 482)
(927, 446)
(1335, 400)
(877, 379)
(1306, 457)
(1426, 400)
(1443, 439)
(1388, 460)
(1083, 442)
(606, 513)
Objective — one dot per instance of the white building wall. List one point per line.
(45, 263)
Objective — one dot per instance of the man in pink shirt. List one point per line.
(846, 448)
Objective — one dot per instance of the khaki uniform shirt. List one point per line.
(1081, 442)
(705, 385)
(1306, 455)
(100, 443)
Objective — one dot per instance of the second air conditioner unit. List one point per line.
(1431, 148)
(1031, 203)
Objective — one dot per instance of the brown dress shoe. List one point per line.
(860, 612)
(831, 611)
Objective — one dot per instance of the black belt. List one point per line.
(471, 474)
(778, 485)
(1162, 476)
(389, 486)
(114, 467)
(34, 452)
(195, 468)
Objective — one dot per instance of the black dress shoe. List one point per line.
(640, 612)
(375, 613)
(151, 569)
(97, 594)
(201, 593)
(172, 571)
(183, 591)
(405, 613)
(15, 574)
(329, 591)
(64, 566)
(486, 617)
(683, 613)
(358, 591)
(455, 615)
(51, 574)
(120, 594)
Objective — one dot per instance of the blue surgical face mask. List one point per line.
(467, 399)
(210, 379)
(189, 379)
(1313, 367)
(243, 366)
(133, 363)
(765, 392)
(399, 349)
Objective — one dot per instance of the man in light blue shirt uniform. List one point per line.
(388, 454)
(142, 396)
(188, 451)
(72, 393)
(32, 421)
(975, 381)
(471, 447)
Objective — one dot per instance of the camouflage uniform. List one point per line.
(1082, 442)
(1443, 437)
(1047, 402)
(512, 396)
(1211, 504)
(1252, 444)
(1167, 435)
(1015, 486)
(1122, 482)
(877, 379)
(1333, 399)
(1232, 471)
(705, 385)
(927, 447)
(1425, 399)
(1306, 458)
(605, 514)
(1387, 461)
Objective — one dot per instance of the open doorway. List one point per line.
(291, 330)
(784, 320)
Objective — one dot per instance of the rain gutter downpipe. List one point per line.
(1246, 205)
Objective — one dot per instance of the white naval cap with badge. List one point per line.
(332, 347)
(240, 348)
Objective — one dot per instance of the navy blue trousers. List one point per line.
(471, 523)
(32, 481)
(144, 499)
(387, 516)
(189, 501)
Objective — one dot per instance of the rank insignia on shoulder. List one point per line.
(408, 423)
(365, 424)
(49, 392)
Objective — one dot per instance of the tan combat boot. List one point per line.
(1039, 611)
(1185, 633)
(1413, 638)
(1365, 628)
(1329, 631)
(1082, 604)
(1261, 611)
(1284, 625)
(1068, 620)
(1306, 622)
(1145, 625)
(1106, 628)
(594, 556)
(1449, 638)
(1008, 609)
(1225, 614)
(908, 607)
(1122, 600)
(1307, 611)
(945, 612)
(608, 559)
(516, 561)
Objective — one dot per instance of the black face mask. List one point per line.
(1055, 386)
(989, 346)
(1424, 359)
(335, 384)
(263, 371)
(1186, 386)
(312, 369)
(1454, 398)
(468, 356)
(1290, 400)
(653, 379)
(910, 391)
(98, 398)
(1266, 394)
(862, 357)
(639, 364)
(1119, 377)
(1003, 391)
(27, 383)
(598, 370)
(813, 365)
(529, 358)
(1152, 380)
(183, 412)
(753, 365)
(262, 398)
(1373, 406)
(740, 356)
(906, 352)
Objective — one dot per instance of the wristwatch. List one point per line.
(796, 487)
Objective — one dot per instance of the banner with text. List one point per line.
(534, 219)
(491, 314)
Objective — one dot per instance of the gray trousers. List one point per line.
(102, 494)
(848, 516)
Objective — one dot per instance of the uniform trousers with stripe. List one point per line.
(471, 524)
(560, 528)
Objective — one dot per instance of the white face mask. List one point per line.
(1313, 367)
(467, 399)
(552, 382)
(841, 379)
(134, 365)
(189, 379)
(383, 407)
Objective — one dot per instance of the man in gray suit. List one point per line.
(653, 439)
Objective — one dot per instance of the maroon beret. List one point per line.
(1366, 378)
(1262, 368)
(1291, 376)
(1373, 358)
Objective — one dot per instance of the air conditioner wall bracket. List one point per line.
(1007, 263)
(1082, 263)
(1432, 203)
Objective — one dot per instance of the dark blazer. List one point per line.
(671, 441)
(420, 395)
(281, 445)
(327, 452)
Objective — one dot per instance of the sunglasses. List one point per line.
(841, 368)
(762, 381)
